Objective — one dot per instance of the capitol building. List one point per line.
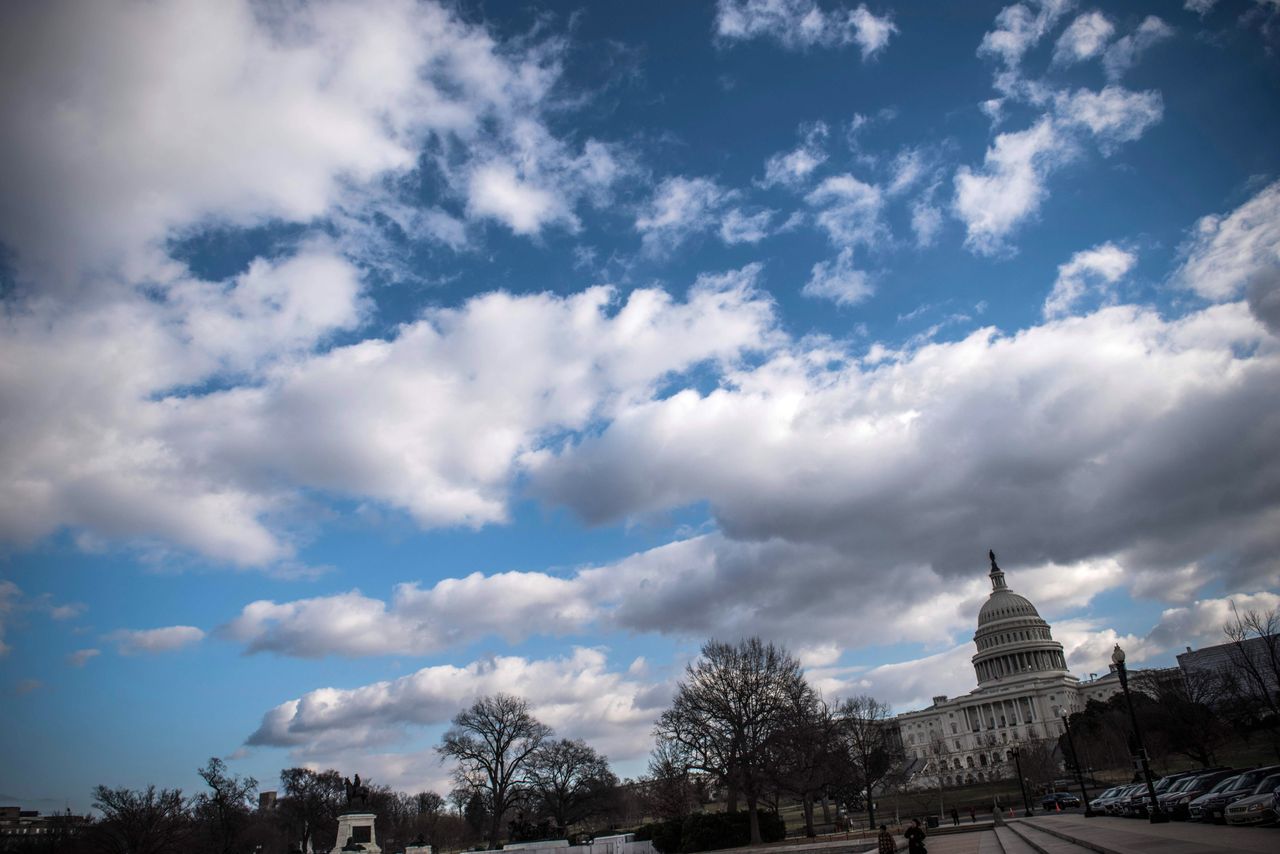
(1023, 688)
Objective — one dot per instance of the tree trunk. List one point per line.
(871, 810)
(826, 809)
(495, 823)
(731, 796)
(807, 803)
(753, 817)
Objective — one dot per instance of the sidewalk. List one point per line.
(1131, 836)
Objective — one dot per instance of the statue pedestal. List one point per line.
(358, 828)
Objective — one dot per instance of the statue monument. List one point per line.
(356, 828)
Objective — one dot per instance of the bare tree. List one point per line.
(571, 781)
(669, 792)
(140, 822)
(871, 744)
(805, 759)
(310, 803)
(1252, 682)
(733, 701)
(224, 809)
(493, 742)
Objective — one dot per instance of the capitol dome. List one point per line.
(1012, 639)
(1004, 603)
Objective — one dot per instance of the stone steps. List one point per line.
(1036, 839)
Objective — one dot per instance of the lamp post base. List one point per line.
(1159, 818)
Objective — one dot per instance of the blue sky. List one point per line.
(361, 359)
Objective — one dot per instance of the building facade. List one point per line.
(1023, 686)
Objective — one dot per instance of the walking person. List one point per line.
(915, 838)
(885, 842)
(955, 817)
(973, 816)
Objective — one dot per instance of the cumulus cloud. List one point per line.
(1112, 115)
(849, 210)
(680, 207)
(127, 452)
(1200, 623)
(1111, 434)
(1093, 268)
(793, 168)
(579, 695)
(838, 281)
(738, 226)
(1011, 185)
(1227, 255)
(452, 612)
(1020, 27)
(133, 121)
(801, 24)
(147, 641)
(1085, 38)
(1126, 51)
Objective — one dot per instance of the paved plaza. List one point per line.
(1074, 834)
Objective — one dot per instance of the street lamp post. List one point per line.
(1084, 795)
(1022, 783)
(1117, 658)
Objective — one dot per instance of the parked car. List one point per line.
(1115, 806)
(1099, 804)
(1260, 807)
(1139, 804)
(1196, 808)
(1215, 808)
(1059, 799)
(1177, 804)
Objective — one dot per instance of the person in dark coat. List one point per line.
(915, 838)
(955, 817)
(885, 842)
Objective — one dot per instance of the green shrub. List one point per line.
(730, 830)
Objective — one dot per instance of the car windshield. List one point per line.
(1249, 780)
(1268, 785)
(1223, 786)
(1182, 785)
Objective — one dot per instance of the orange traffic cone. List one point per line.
(1010, 812)
(1057, 807)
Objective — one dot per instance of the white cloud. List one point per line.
(1085, 38)
(81, 657)
(125, 451)
(453, 612)
(1010, 187)
(1113, 115)
(1126, 51)
(849, 210)
(741, 227)
(497, 191)
(1200, 7)
(794, 167)
(1236, 253)
(167, 639)
(926, 221)
(134, 121)
(1201, 622)
(1020, 27)
(680, 207)
(838, 281)
(800, 24)
(1056, 440)
(578, 695)
(1093, 268)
